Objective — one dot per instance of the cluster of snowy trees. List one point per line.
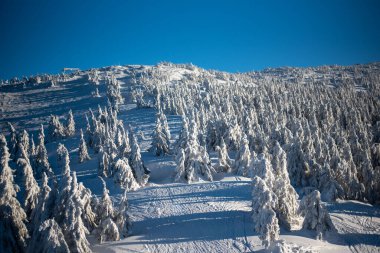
(330, 135)
(54, 216)
(119, 151)
(285, 132)
(57, 130)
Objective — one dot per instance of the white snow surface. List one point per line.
(175, 217)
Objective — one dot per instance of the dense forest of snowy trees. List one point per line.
(285, 132)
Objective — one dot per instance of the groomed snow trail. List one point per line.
(201, 217)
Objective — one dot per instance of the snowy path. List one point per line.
(203, 217)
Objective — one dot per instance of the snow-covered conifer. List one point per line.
(13, 141)
(165, 126)
(160, 143)
(70, 125)
(104, 167)
(224, 162)
(316, 216)
(14, 232)
(48, 238)
(243, 158)
(122, 219)
(24, 140)
(30, 187)
(287, 205)
(262, 168)
(41, 161)
(123, 175)
(264, 217)
(140, 172)
(82, 152)
(42, 211)
(196, 163)
(56, 130)
(65, 184)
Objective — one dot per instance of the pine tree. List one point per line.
(104, 168)
(70, 125)
(160, 143)
(264, 217)
(30, 186)
(24, 140)
(123, 175)
(108, 230)
(13, 141)
(73, 226)
(48, 238)
(287, 205)
(42, 211)
(14, 235)
(82, 152)
(316, 216)
(88, 214)
(224, 162)
(140, 172)
(122, 219)
(56, 130)
(243, 158)
(64, 185)
(165, 126)
(180, 170)
(41, 159)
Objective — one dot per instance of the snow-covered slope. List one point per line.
(178, 217)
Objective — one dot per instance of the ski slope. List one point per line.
(174, 217)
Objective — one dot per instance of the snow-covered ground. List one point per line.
(176, 217)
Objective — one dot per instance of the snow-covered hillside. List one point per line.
(229, 162)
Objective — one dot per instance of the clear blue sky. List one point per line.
(45, 36)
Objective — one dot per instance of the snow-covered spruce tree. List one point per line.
(64, 184)
(263, 215)
(114, 93)
(104, 164)
(43, 209)
(262, 168)
(82, 151)
(180, 169)
(14, 232)
(48, 238)
(125, 147)
(13, 141)
(123, 175)
(140, 172)
(122, 219)
(184, 135)
(56, 131)
(30, 188)
(287, 205)
(243, 158)
(165, 125)
(160, 143)
(41, 161)
(316, 216)
(88, 214)
(224, 162)
(32, 150)
(107, 230)
(70, 124)
(23, 139)
(196, 163)
(73, 227)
